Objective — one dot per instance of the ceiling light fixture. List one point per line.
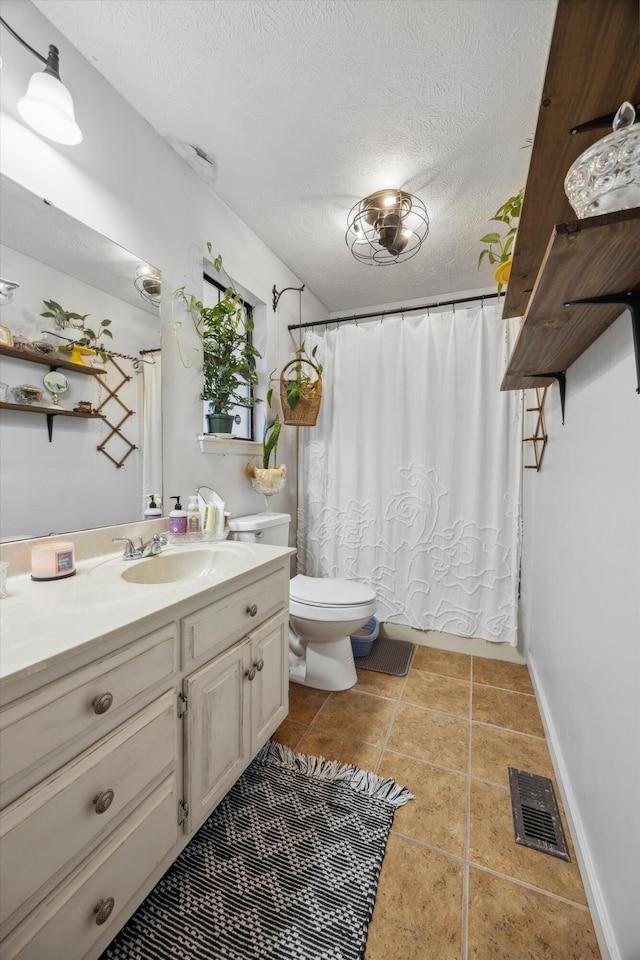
(148, 283)
(48, 107)
(388, 226)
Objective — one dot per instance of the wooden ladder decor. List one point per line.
(539, 437)
(115, 428)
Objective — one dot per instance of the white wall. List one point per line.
(581, 618)
(124, 181)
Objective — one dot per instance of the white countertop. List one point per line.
(44, 621)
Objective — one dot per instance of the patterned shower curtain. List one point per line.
(410, 480)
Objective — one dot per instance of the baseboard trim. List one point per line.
(599, 915)
(449, 641)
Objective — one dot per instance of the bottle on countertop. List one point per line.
(193, 515)
(177, 519)
(153, 511)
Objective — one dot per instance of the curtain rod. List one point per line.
(395, 310)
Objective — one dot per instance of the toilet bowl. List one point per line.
(324, 612)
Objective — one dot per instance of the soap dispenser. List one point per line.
(193, 516)
(153, 511)
(177, 519)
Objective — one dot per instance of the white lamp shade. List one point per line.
(48, 109)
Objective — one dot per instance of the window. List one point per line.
(243, 416)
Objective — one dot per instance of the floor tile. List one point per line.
(290, 733)
(497, 673)
(382, 684)
(418, 911)
(438, 693)
(492, 845)
(502, 708)
(444, 662)
(304, 702)
(331, 746)
(363, 716)
(432, 736)
(437, 814)
(508, 921)
(494, 749)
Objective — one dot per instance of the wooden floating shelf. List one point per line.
(50, 411)
(584, 258)
(49, 360)
(592, 68)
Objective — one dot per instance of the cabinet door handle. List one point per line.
(252, 610)
(103, 910)
(250, 674)
(103, 801)
(102, 703)
(259, 665)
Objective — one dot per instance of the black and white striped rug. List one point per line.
(286, 868)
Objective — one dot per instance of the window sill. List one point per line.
(247, 448)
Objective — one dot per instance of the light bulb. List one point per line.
(48, 109)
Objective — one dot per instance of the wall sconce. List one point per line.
(148, 283)
(388, 226)
(47, 107)
(6, 290)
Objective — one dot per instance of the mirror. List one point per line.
(96, 470)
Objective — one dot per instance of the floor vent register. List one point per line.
(536, 818)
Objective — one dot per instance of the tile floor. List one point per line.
(454, 884)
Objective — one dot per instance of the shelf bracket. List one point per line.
(630, 300)
(50, 417)
(562, 385)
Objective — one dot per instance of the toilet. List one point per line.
(324, 612)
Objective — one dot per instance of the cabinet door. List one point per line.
(270, 687)
(217, 730)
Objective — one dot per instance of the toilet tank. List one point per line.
(271, 528)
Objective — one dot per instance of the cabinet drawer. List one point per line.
(65, 925)
(216, 627)
(60, 819)
(34, 728)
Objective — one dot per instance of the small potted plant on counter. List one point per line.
(228, 355)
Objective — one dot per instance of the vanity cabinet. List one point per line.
(111, 762)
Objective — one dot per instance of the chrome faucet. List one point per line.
(149, 549)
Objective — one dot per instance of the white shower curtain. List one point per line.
(410, 480)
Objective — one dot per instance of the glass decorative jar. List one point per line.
(606, 177)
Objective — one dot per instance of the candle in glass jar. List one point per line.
(52, 561)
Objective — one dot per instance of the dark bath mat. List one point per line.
(388, 656)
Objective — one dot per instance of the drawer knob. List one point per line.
(103, 801)
(102, 703)
(103, 910)
(252, 610)
(259, 665)
(250, 674)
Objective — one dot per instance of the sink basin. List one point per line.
(186, 564)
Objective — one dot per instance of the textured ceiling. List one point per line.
(306, 106)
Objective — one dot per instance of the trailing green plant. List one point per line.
(499, 246)
(298, 387)
(228, 355)
(90, 338)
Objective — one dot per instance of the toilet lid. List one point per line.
(327, 592)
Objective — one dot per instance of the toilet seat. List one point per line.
(318, 598)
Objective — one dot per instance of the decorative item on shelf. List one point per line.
(83, 406)
(388, 226)
(74, 353)
(56, 383)
(6, 337)
(46, 347)
(606, 177)
(499, 247)
(90, 340)
(22, 342)
(228, 355)
(4, 392)
(47, 106)
(26, 393)
(301, 395)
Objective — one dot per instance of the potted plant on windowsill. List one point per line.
(228, 356)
